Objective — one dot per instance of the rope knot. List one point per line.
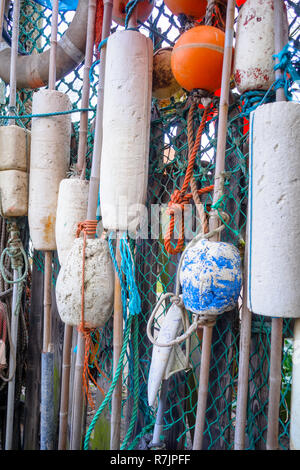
(205, 320)
(88, 227)
(177, 300)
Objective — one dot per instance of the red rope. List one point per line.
(98, 25)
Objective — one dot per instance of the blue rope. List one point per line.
(92, 68)
(129, 10)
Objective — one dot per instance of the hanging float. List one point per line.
(195, 9)
(164, 83)
(143, 9)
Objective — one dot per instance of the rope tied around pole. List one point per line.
(88, 227)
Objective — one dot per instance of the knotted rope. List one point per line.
(88, 227)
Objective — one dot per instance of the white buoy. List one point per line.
(163, 356)
(274, 221)
(98, 280)
(254, 46)
(71, 209)
(14, 165)
(49, 162)
(126, 129)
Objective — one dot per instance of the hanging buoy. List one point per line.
(164, 84)
(211, 277)
(197, 58)
(254, 46)
(274, 223)
(162, 357)
(191, 8)
(14, 165)
(49, 162)
(98, 282)
(71, 208)
(126, 129)
(144, 10)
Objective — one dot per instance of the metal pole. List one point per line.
(77, 411)
(277, 323)
(12, 359)
(214, 220)
(82, 145)
(116, 402)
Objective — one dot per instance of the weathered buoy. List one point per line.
(254, 46)
(49, 162)
(192, 8)
(164, 84)
(126, 129)
(274, 224)
(210, 277)
(197, 58)
(14, 166)
(144, 10)
(71, 209)
(163, 356)
(98, 281)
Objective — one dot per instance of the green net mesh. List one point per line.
(156, 270)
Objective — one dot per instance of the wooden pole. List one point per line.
(116, 403)
(13, 62)
(82, 146)
(2, 8)
(77, 412)
(214, 220)
(277, 323)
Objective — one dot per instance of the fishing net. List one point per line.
(156, 269)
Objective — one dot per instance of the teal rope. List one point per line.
(106, 400)
(129, 10)
(144, 431)
(57, 113)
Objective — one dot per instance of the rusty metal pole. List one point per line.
(277, 323)
(214, 220)
(77, 411)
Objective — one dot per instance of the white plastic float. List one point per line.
(273, 211)
(71, 209)
(126, 129)
(49, 162)
(254, 46)
(98, 282)
(14, 165)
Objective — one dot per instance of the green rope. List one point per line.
(136, 383)
(118, 372)
(144, 431)
(57, 113)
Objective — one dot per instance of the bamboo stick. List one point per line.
(53, 46)
(277, 323)
(82, 146)
(2, 8)
(77, 414)
(13, 62)
(214, 220)
(116, 403)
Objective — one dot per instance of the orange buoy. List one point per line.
(144, 10)
(197, 58)
(192, 8)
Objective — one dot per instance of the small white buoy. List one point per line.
(98, 283)
(163, 356)
(126, 129)
(71, 209)
(273, 210)
(254, 46)
(49, 162)
(14, 165)
(210, 277)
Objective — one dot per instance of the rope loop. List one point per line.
(15, 251)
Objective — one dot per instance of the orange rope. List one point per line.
(88, 227)
(179, 198)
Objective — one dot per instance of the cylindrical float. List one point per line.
(98, 281)
(254, 46)
(211, 277)
(49, 162)
(71, 209)
(126, 129)
(295, 394)
(273, 210)
(14, 165)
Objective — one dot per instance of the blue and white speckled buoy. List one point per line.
(210, 277)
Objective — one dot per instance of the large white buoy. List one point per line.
(254, 47)
(98, 281)
(126, 129)
(14, 165)
(49, 162)
(273, 210)
(71, 209)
